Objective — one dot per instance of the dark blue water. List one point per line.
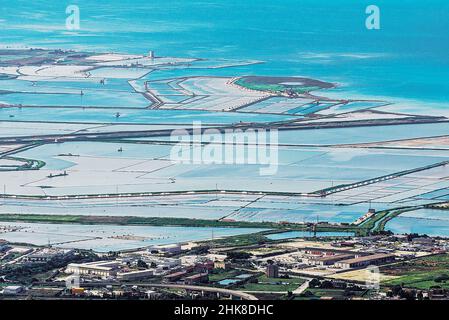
(407, 58)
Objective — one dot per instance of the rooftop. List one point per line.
(368, 258)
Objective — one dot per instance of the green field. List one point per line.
(275, 88)
(334, 293)
(221, 275)
(421, 273)
(125, 220)
(377, 222)
(273, 284)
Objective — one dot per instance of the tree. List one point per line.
(348, 292)
(326, 284)
(238, 255)
(201, 250)
(314, 283)
(307, 293)
(142, 264)
(396, 290)
(441, 278)
(408, 294)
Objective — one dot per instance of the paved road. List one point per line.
(242, 295)
(302, 288)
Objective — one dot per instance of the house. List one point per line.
(329, 260)
(175, 276)
(167, 248)
(97, 268)
(197, 278)
(365, 261)
(133, 275)
(13, 290)
(222, 264)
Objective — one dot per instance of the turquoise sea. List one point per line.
(406, 59)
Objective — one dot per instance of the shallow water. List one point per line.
(303, 234)
(104, 238)
(402, 225)
(132, 116)
(405, 62)
(406, 58)
(90, 98)
(350, 135)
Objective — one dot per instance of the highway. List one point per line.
(221, 291)
(234, 293)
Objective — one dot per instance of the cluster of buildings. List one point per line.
(344, 259)
(46, 255)
(12, 290)
(334, 257)
(131, 273)
(30, 255)
(126, 268)
(319, 260)
(195, 273)
(161, 262)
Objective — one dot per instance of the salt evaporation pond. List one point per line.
(104, 238)
(349, 135)
(133, 116)
(303, 234)
(89, 98)
(403, 225)
(423, 221)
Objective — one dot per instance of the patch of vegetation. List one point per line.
(422, 273)
(240, 240)
(285, 85)
(263, 283)
(334, 293)
(28, 164)
(218, 275)
(275, 88)
(123, 220)
(27, 273)
(439, 206)
(376, 224)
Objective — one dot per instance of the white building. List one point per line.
(97, 268)
(150, 294)
(167, 248)
(13, 290)
(162, 263)
(364, 261)
(46, 255)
